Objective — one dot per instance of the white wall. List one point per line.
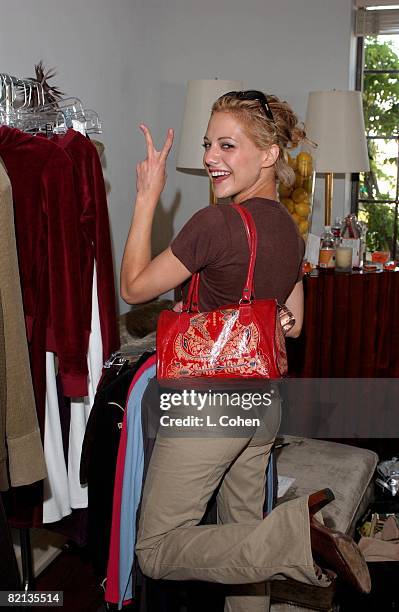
(130, 60)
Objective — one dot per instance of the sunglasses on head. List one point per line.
(253, 94)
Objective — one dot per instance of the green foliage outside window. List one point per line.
(381, 113)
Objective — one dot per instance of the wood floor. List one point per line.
(71, 573)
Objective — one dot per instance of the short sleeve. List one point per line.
(301, 253)
(202, 240)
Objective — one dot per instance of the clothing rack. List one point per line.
(24, 105)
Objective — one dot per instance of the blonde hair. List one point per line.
(284, 130)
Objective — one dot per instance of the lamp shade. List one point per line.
(334, 121)
(200, 96)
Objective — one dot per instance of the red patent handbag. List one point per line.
(238, 341)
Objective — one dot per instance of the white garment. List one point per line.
(81, 407)
(62, 489)
(55, 486)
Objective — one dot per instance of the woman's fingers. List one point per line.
(168, 144)
(150, 143)
(148, 139)
(151, 173)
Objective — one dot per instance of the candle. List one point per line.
(343, 259)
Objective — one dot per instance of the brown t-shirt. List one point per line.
(214, 242)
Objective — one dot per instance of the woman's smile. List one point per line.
(218, 176)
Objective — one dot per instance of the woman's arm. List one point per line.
(294, 303)
(161, 274)
(143, 279)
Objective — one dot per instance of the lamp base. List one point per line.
(328, 196)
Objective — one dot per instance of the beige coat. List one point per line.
(20, 440)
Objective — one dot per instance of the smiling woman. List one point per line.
(245, 154)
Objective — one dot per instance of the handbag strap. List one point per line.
(252, 237)
(193, 294)
(192, 302)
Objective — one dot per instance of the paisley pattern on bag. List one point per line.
(217, 343)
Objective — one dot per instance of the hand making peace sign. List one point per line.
(151, 173)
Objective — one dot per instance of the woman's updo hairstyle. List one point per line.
(284, 130)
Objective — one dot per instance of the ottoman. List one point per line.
(316, 464)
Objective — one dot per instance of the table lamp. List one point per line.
(334, 121)
(200, 96)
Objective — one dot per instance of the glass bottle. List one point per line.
(350, 237)
(327, 250)
(336, 229)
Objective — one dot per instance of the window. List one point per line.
(376, 197)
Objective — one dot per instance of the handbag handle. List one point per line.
(192, 302)
(252, 237)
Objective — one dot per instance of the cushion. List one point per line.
(316, 464)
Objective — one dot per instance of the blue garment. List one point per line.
(271, 483)
(132, 484)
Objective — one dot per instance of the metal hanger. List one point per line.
(23, 105)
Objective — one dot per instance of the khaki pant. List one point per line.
(243, 549)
